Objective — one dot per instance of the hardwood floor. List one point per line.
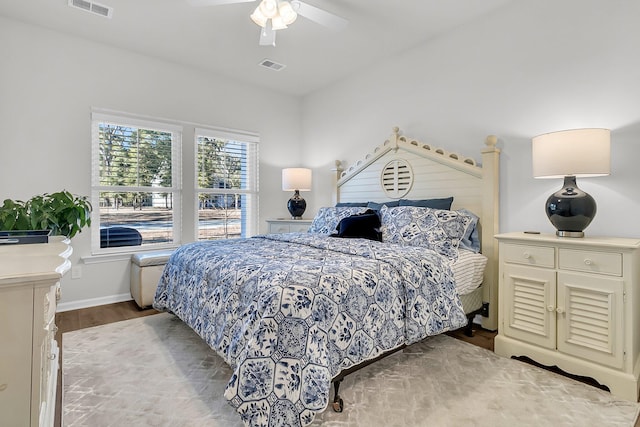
(85, 318)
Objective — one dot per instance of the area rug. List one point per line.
(155, 371)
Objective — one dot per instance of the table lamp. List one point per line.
(297, 180)
(571, 154)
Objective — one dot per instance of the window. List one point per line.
(136, 191)
(139, 178)
(227, 184)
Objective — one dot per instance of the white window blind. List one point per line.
(227, 184)
(136, 182)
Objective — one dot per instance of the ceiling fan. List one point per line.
(273, 15)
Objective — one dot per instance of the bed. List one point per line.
(290, 313)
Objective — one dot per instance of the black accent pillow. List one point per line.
(365, 225)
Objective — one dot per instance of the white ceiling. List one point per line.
(223, 40)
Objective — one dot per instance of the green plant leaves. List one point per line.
(63, 213)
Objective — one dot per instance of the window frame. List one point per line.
(123, 119)
(250, 223)
(184, 174)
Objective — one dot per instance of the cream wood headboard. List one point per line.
(435, 173)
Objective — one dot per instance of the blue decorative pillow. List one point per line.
(350, 204)
(444, 203)
(365, 225)
(327, 219)
(471, 239)
(377, 206)
(437, 229)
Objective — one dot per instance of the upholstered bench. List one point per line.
(146, 269)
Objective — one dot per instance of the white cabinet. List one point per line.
(282, 225)
(29, 290)
(572, 303)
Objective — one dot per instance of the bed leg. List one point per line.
(338, 404)
(468, 330)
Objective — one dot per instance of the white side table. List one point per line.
(288, 225)
(573, 303)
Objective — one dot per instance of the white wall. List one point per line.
(530, 68)
(49, 82)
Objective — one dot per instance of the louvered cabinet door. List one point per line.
(572, 303)
(590, 317)
(529, 304)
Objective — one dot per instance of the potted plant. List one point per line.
(61, 213)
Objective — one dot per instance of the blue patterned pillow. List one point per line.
(327, 219)
(440, 230)
(471, 240)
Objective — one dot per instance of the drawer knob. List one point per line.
(550, 308)
(560, 310)
(588, 261)
(526, 255)
(3, 387)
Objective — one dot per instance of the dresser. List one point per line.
(284, 225)
(29, 289)
(572, 303)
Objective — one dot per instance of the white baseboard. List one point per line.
(93, 302)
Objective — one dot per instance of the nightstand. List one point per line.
(287, 225)
(572, 303)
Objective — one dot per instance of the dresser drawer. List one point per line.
(609, 263)
(299, 228)
(541, 256)
(278, 228)
(282, 225)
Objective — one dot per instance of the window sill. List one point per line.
(119, 256)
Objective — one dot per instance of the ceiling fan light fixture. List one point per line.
(286, 12)
(277, 23)
(269, 8)
(259, 18)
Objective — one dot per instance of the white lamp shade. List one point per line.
(578, 152)
(296, 179)
(258, 17)
(286, 12)
(269, 8)
(277, 23)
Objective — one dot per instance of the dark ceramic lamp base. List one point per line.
(570, 209)
(296, 206)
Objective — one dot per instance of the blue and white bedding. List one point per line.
(289, 312)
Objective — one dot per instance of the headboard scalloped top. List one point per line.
(406, 168)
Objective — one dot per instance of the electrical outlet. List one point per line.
(76, 272)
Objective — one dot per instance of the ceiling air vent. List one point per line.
(267, 63)
(92, 7)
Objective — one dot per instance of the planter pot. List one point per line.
(22, 237)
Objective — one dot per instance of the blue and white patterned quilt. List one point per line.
(288, 312)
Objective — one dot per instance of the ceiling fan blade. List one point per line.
(267, 35)
(319, 16)
(215, 2)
